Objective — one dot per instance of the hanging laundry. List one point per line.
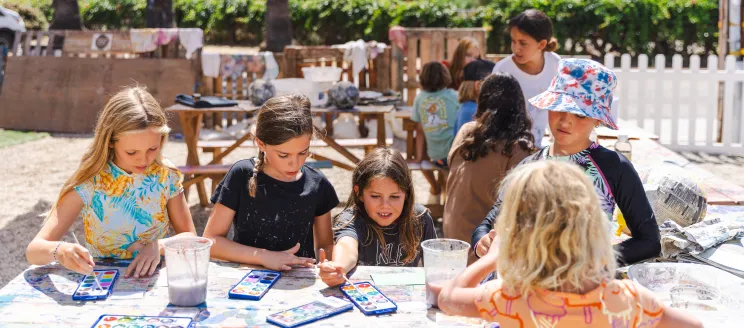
(272, 67)
(397, 36)
(192, 39)
(143, 40)
(235, 65)
(210, 64)
(359, 53)
(166, 35)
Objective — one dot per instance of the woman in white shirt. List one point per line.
(533, 62)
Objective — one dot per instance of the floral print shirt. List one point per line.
(121, 208)
(615, 303)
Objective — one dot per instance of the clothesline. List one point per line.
(147, 40)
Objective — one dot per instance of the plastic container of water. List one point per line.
(187, 262)
(444, 259)
(315, 91)
(322, 74)
(712, 295)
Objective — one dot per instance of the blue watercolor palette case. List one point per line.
(254, 285)
(310, 312)
(115, 320)
(368, 298)
(87, 289)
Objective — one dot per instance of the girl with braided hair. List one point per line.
(281, 208)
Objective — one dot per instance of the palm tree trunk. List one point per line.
(160, 14)
(278, 25)
(66, 15)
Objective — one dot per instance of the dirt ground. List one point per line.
(32, 173)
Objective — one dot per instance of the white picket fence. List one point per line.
(680, 105)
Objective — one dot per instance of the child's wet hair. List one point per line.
(279, 120)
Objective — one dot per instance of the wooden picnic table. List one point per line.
(42, 297)
(191, 121)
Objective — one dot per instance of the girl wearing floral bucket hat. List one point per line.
(577, 101)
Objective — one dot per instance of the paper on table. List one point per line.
(127, 294)
(457, 321)
(398, 279)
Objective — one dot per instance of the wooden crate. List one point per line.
(425, 45)
(375, 77)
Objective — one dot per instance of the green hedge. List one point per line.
(592, 27)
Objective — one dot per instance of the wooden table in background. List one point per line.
(191, 122)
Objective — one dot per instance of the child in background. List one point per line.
(467, 50)
(473, 74)
(555, 263)
(435, 109)
(281, 208)
(129, 195)
(532, 62)
(483, 153)
(381, 225)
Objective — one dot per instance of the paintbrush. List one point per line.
(95, 278)
(343, 275)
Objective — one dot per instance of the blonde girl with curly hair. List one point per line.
(555, 261)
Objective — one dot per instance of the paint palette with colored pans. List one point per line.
(254, 285)
(368, 298)
(125, 321)
(310, 312)
(88, 290)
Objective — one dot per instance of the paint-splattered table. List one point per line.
(41, 297)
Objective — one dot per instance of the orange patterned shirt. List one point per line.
(615, 303)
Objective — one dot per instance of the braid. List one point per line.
(260, 162)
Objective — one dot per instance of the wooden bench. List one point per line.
(217, 172)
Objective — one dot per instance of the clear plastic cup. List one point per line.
(444, 259)
(187, 262)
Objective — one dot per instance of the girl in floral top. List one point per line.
(554, 260)
(130, 197)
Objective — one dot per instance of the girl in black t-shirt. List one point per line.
(280, 207)
(381, 225)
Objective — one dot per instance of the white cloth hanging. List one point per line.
(192, 39)
(211, 64)
(272, 67)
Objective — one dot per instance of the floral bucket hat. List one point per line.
(582, 87)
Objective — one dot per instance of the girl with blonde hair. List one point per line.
(129, 195)
(555, 261)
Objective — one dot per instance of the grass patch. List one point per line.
(9, 138)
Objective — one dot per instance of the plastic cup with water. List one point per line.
(187, 261)
(444, 259)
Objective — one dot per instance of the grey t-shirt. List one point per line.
(371, 253)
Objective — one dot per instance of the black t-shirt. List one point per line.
(370, 251)
(617, 183)
(282, 213)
